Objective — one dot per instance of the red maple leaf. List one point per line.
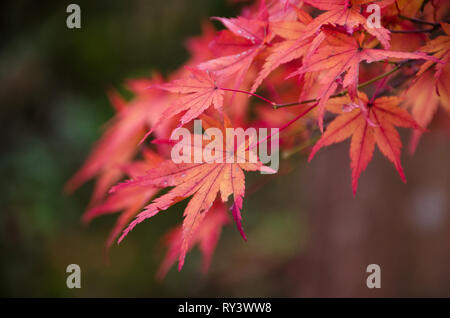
(199, 91)
(201, 181)
(385, 114)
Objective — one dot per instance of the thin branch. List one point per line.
(414, 31)
(365, 84)
(420, 21)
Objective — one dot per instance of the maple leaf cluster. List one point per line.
(326, 75)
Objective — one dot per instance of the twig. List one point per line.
(420, 21)
(365, 84)
(415, 31)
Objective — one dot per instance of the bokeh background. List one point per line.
(308, 235)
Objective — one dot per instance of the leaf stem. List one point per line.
(365, 84)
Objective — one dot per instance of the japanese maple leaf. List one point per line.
(202, 182)
(198, 92)
(340, 55)
(206, 238)
(346, 13)
(244, 40)
(384, 114)
(129, 200)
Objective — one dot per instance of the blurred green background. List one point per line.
(308, 236)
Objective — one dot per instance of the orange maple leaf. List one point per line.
(202, 181)
(384, 114)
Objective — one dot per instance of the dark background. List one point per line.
(308, 236)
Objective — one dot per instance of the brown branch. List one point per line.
(414, 31)
(419, 21)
